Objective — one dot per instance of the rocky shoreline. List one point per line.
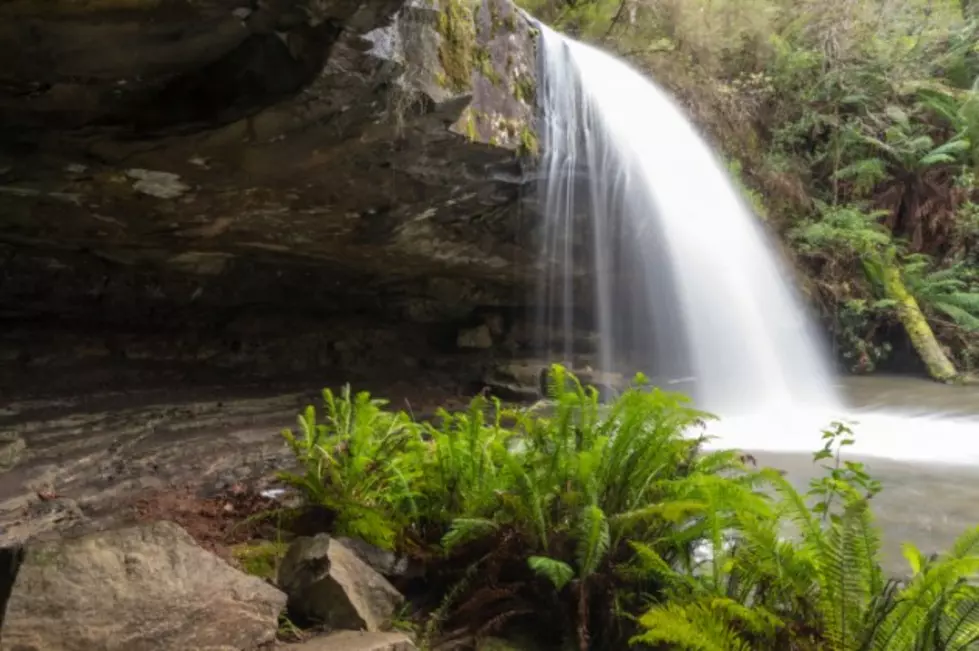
(154, 527)
(151, 586)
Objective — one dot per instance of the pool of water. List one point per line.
(920, 439)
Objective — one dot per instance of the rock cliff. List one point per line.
(233, 182)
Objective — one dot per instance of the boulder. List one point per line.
(328, 583)
(478, 337)
(386, 562)
(143, 588)
(357, 641)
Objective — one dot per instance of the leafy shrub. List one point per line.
(600, 523)
(361, 463)
(825, 589)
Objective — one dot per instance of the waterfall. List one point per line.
(646, 240)
(684, 282)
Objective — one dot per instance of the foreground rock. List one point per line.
(328, 583)
(357, 641)
(11, 449)
(146, 588)
(385, 562)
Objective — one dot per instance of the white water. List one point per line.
(685, 281)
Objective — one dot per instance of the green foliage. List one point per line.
(849, 237)
(361, 463)
(557, 572)
(608, 522)
(951, 292)
(825, 589)
(260, 559)
(831, 110)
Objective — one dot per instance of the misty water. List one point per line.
(686, 285)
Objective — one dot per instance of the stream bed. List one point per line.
(81, 457)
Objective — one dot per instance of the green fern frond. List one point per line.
(694, 627)
(464, 530)
(557, 572)
(593, 542)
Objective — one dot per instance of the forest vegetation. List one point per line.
(587, 526)
(853, 126)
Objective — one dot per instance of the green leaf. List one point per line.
(557, 572)
(465, 530)
(913, 555)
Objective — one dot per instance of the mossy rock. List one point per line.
(457, 28)
(11, 451)
(260, 558)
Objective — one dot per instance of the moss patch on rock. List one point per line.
(524, 89)
(529, 145)
(261, 558)
(457, 28)
(11, 450)
(484, 64)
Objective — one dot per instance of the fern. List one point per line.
(557, 572)
(593, 542)
(696, 627)
(612, 504)
(464, 530)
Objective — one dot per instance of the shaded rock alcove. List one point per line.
(276, 188)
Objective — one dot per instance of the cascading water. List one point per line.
(670, 242)
(645, 233)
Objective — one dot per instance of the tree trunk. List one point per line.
(914, 322)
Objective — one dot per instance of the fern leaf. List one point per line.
(557, 572)
(594, 540)
(465, 530)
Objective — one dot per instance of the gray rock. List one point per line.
(478, 337)
(386, 562)
(11, 450)
(357, 641)
(208, 133)
(144, 588)
(327, 582)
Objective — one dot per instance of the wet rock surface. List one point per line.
(91, 461)
(328, 583)
(143, 588)
(213, 184)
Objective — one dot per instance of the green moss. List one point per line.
(471, 131)
(524, 89)
(11, 451)
(510, 21)
(495, 22)
(484, 64)
(260, 559)
(529, 145)
(458, 31)
(45, 555)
